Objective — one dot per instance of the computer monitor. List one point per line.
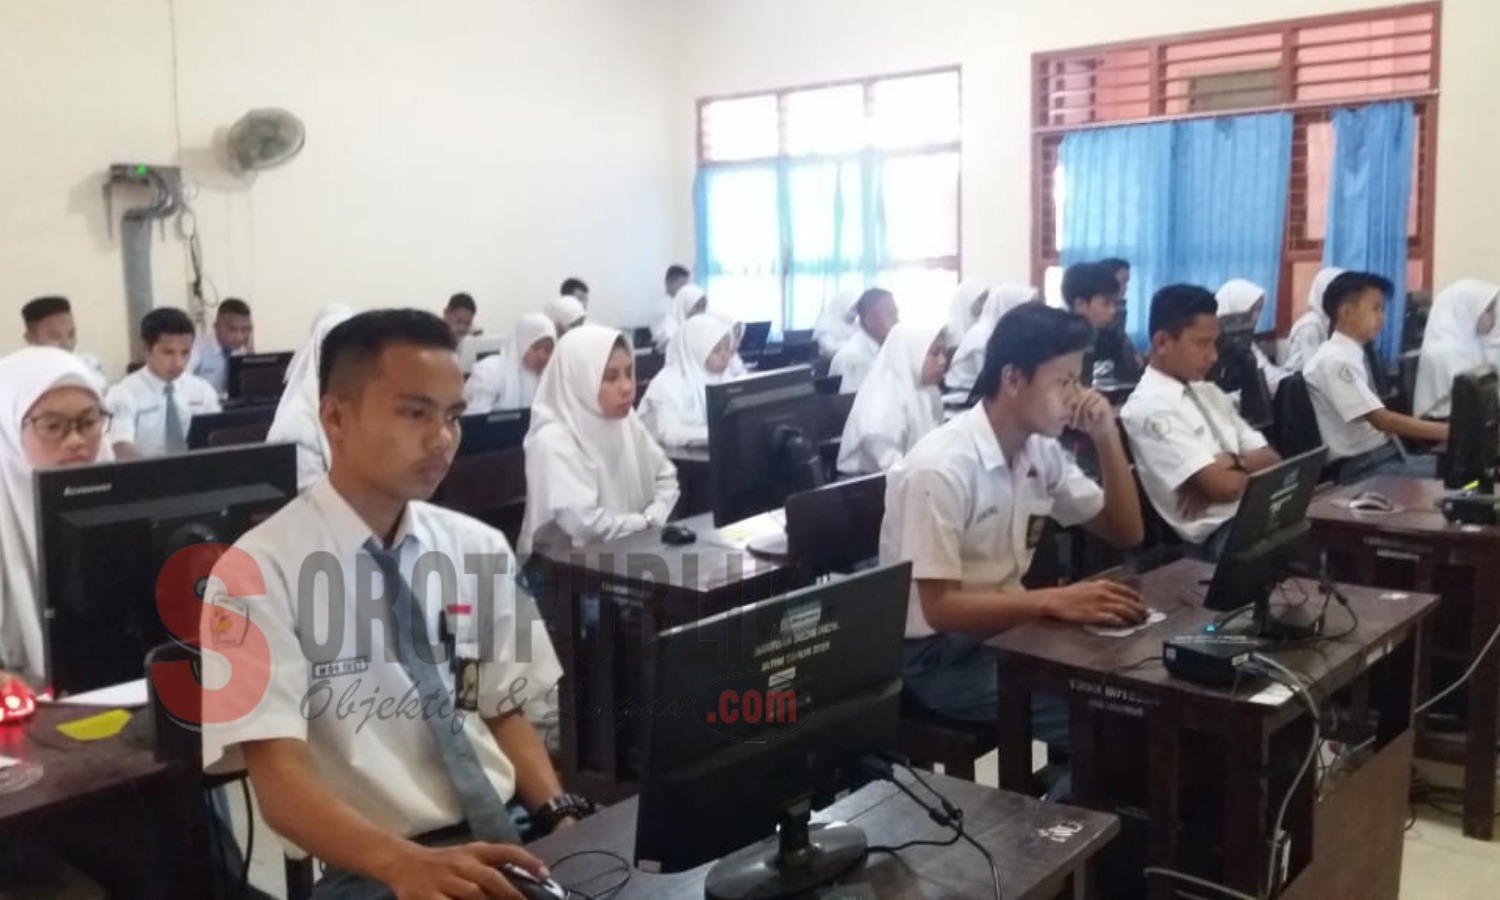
(488, 477)
(753, 341)
(1238, 372)
(835, 528)
(258, 377)
(231, 428)
(105, 532)
(476, 347)
(1263, 538)
(1474, 431)
(763, 434)
(760, 717)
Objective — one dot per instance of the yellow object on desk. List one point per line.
(96, 728)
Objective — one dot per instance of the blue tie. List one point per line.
(486, 814)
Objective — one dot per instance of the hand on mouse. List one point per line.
(433, 873)
(1095, 603)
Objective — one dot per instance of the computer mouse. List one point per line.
(531, 887)
(1369, 501)
(678, 535)
(17, 702)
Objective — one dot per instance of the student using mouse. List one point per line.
(593, 470)
(968, 504)
(1193, 451)
(508, 379)
(153, 406)
(899, 403)
(878, 314)
(675, 408)
(1362, 435)
(410, 802)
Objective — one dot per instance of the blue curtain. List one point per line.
(1117, 185)
(1369, 201)
(1199, 201)
(1230, 181)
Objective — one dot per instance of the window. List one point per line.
(808, 191)
(1309, 66)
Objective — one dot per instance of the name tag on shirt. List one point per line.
(339, 667)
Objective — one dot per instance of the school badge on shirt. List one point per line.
(1159, 425)
(1347, 373)
(1035, 527)
(228, 623)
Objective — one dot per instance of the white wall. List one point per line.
(493, 146)
(732, 46)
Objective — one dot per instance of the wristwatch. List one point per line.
(563, 806)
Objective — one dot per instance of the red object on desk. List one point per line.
(17, 702)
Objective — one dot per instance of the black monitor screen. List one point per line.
(258, 377)
(1474, 430)
(763, 434)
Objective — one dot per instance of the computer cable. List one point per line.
(249, 837)
(1298, 689)
(608, 893)
(1198, 882)
(946, 815)
(1468, 673)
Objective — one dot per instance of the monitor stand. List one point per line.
(799, 859)
(1296, 624)
(769, 547)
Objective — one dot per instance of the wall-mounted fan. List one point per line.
(265, 138)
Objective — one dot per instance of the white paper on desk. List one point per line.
(6, 762)
(131, 693)
(740, 534)
(1275, 695)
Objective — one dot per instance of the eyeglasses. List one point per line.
(56, 429)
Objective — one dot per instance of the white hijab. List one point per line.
(1450, 345)
(968, 359)
(687, 297)
(838, 322)
(1315, 293)
(683, 382)
(504, 376)
(892, 404)
(297, 418)
(1238, 296)
(961, 315)
(24, 377)
(565, 311)
(612, 455)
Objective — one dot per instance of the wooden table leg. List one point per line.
(1014, 717)
(1245, 824)
(1484, 710)
(1164, 779)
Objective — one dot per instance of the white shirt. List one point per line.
(1338, 381)
(961, 512)
(138, 404)
(94, 366)
(854, 361)
(210, 361)
(1173, 438)
(388, 767)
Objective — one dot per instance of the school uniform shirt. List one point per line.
(337, 683)
(588, 478)
(96, 369)
(675, 407)
(297, 420)
(502, 381)
(1338, 381)
(838, 322)
(960, 511)
(1311, 328)
(1451, 344)
(25, 376)
(854, 360)
(139, 406)
(893, 409)
(210, 361)
(1175, 431)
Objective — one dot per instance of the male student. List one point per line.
(409, 801)
(1193, 451)
(459, 314)
(577, 289)
(49, 323)
(677, 276)
(1092, 290)
(968, 506)
(1121, 269)
(1361, 433)
(233, 335)
(154, 405)
(877, 314)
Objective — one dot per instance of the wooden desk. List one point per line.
(692, 477)
(1197, 772)
(1033, 861)
(644, 586)
(1417, 549)
(134, 825)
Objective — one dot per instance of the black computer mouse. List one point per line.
(677, 535)
(531, 887)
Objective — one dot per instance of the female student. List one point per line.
(1313, 327)
(51, 414)
(508, 379)
(899, 402)
(965, 309)
(1238, 297)
(593, 471)
(675, 409)
(838, 323)
(297, 419)
(690, 300)
(566, 312)
(968, 359)
(1456, 340)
